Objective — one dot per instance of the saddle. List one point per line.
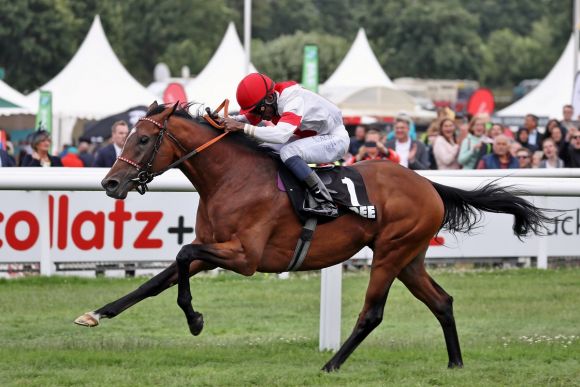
(345, 185)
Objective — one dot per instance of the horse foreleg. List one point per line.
(424, 288)
(228, 255)
(370, 317)
(151, 288)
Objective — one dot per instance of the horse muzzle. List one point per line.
(114, 188)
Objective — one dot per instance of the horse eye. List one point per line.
(143, 140)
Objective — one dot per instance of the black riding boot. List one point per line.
(318, 200)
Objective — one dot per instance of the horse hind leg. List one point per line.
(385, 267)
(369, 318)
(424, 288)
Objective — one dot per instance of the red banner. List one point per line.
(481, 102)
(174, 92)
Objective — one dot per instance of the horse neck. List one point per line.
(223, 162)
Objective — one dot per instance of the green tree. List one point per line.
(273, 18)
(516, 15)
(37, 38)
(497, 42)
(154, 31)
(426, 39)
(510, 57)
(282, 58)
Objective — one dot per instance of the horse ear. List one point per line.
(174, 108)
(152, 106)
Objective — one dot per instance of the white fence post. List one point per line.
(46, 264)
(330, 307)
(542, 259)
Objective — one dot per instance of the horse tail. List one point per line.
(464, 209)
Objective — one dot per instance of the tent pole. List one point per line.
(247, 32)
(576, 31)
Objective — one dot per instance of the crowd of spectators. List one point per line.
(36, 153)
(450, 142)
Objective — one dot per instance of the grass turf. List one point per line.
(516, 327)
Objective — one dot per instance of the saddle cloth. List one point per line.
(345, 184)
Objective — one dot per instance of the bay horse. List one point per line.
(246, 224)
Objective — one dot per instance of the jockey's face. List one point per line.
(268, 113)
(266, 110)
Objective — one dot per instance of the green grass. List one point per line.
(516, 327)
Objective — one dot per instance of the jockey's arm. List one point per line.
(284, 129)
(278, 134)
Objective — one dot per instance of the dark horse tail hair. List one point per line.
(463, 209)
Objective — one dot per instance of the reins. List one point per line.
(145, 175)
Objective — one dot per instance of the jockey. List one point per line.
(308, 127)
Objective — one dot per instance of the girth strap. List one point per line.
(303, 244)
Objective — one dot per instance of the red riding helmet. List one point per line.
(252, 90)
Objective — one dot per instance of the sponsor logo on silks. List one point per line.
(368, 212)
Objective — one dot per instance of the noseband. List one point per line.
(145, 175)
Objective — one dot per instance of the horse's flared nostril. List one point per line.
(110, 184)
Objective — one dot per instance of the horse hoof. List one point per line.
(454, 365)
(196, 326)
(330, 367)
(89, 319)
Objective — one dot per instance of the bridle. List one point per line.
(145, 174)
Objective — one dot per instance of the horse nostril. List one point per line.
(110, 184)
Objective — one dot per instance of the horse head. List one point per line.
(145, 154)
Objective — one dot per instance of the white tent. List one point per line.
(14, 97)
(360, 87)
(359, 68)
(220, 77)
(555, 90)
(93, 85)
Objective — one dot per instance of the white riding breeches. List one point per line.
(326, 148)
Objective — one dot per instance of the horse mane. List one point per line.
(239, 137)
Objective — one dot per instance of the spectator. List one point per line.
(560, 142)
(568, 120)
(431, 133)
(495, 130)
(501, 157)
(524, 157)
(356, 141)
(463, 127)
(71, 158)
(25, 149)
(551, 159)
(85, 155)
(487, 146)
(506, 131)
(534, 137)
(552, 124)
(40, 148)
(412, 153)
(107, 155)
(64, 150)
(515, 147)
(445, 148)
(471, 146)
(574, 149)
(523, 137)
(373, 149)
(412, 129)
(5, 159)
(537, 157)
